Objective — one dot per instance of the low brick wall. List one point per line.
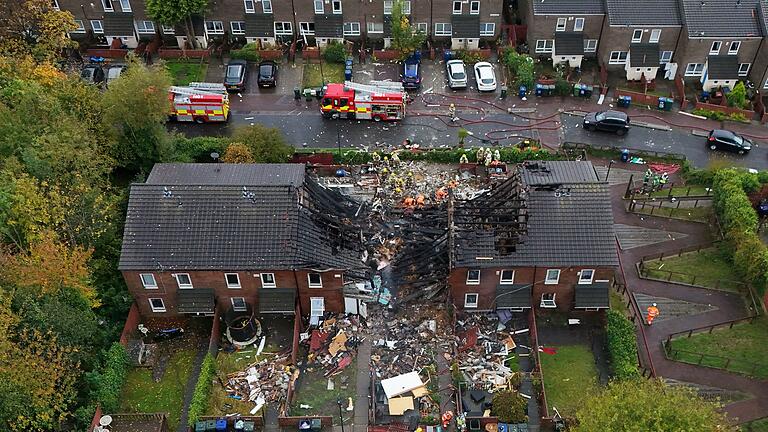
(639, 98)
(107, 53)
(725, 109)
(386, 55)
(96, 418)
(131, 321)
(293, 421)
(166, 53)
(270, 54)
(310, 54)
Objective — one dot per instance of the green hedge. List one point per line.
(508, 154)
(199, 403)
(112, 378)
(249, 53)
(622, 346)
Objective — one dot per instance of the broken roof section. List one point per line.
(239, 216)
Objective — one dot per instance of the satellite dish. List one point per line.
(105, 420)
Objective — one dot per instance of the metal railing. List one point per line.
(657, 207)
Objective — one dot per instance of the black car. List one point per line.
(267, 74)
(411, 74)
(237, 75)
(609, 121)
(726, 140)
(92, 74)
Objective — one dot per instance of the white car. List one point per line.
(485, 77)
(457, 74)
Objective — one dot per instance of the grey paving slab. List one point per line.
(616, 175)
(709, 392)
(671, 308)
(631, 236)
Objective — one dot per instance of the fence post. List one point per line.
(671, 186)
(690, 332)
(727, 363)
(669, 277)
(701, 359)
(712, 328)
(688, 192)
(693, 281)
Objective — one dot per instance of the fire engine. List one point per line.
(379, 100)
(199, 102)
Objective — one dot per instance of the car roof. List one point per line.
(267, 62)
(723, 133)
(621, 115)
(237, 62)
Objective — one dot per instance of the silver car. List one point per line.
(485, 77)
(457, 74)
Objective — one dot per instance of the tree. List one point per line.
(738, 95)
(510, 407)
(649, 405)
(267, 145)
(405, 38)
(33, 27)
(172, 12)
(237, 153)
(520, 66)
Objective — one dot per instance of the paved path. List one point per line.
(728, 306)
(189, 389)
(363, 400)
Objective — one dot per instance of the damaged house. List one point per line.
(262, 237)
(543, 238)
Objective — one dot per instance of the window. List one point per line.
(145, 27)
(107, 5)
(97, 26)
(470, 300)
(80, 27)
(744, 69)
(183, 280)
(168, 29)
(443, 29)
(283, 28)
(618, 57)
(507, 277)
(266, 6)
(157, 305)
(545, 45)
(694, 69)
(473, 277)
(125, 5)
(388, 7)
(560, 24)
(250, 6)
(586, 275)
(665, 56)
(233, 280)
(352, 29)
(457, 8)
(307, 28)
(374, 27)
(590, 45)
(315, 280)
(474, 8)
(553, 277)
(637, 36)
(655, 36)
(548, 300)
(56, 5)
(715, 48)
(422, 27)
(238, 27)
(578, 24)
(765, 84)
(406, 7)
(734, 48)
(268, 280)
(316, 306)
(487, 29)
(214, 27)
(336, 5)
(148, 280)
(319, 8)
(238, 304)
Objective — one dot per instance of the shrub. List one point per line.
(713, 115)
(197, 149)
(622, 346)
(562, 87)
(202, 390)
(510, 407)
(521, 66)
(469, 57)
(738, 95)
(508, 154)
(112, 378)
(739, 117)
(335, 52)
(249, 52)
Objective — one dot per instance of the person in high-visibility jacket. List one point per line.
(653, 312)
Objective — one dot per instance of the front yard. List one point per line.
(184, 72)
(708, 268)
(569, 376)
(331, 73)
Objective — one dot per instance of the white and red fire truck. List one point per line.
(379, 100)
(199, 102)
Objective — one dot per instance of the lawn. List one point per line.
(697, 214)
(756, 426)
(617, 302)
(744, 344)
(312, 390)
(142, 394)
(708, 267)
(569, 376)
(680, 191)
(185, 72)
(332, 73)
(219, 403)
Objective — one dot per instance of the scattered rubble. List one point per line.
(333, 344)
(262, 382)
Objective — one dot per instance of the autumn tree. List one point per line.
(172, 12)
(34, 27)
(405, 37)
(237, 153)
(267, 145)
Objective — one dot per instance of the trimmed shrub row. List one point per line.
(622, 346)
(508, 154)
(202, 390)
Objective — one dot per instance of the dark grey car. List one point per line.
(236, 76)
(608, 121)
(721, 139)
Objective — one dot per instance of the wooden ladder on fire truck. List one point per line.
(376, 87)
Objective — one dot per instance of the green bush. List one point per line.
(112, 378)
(562, 87)
(510, 407)
(712, 115)
(335, 52)
(622, 346)
(520, 66)
(508, 154)
(202, 390)
(249, 52)
(197, 149)
(738, 95)
(469, 57)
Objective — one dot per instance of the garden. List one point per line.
(184, 72)
(569, 375)
(710, 268)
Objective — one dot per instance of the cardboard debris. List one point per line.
(399, 405)
(333, 343)
(420, 392)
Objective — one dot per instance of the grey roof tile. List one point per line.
(513, 296)
(723, 67)
(576, 7)
(569, 43)
(329, 25)
(644, 55)
(223, 174)
(643, 12)
(465, 26)
(722, 18)
(118, 24)
(557, 172)
(595, 295)
(277, 300)
(259, 25)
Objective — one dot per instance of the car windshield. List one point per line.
(114, 73)
(233, 71)
(457, 72)
(737, 139)
(486, 80)
(411, 69)
(265, 70)
(600, 116)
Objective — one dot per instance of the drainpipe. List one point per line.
(599, 39)
(677, 44)
(296, 29)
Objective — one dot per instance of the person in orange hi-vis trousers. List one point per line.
(653, 312)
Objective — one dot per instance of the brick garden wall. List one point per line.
(725, 109)
(131, 321)
(166, 53)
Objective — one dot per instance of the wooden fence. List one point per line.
(639, 97)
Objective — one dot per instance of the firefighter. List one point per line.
(420, 200)
(409, 202)
(395, 159)
(480, 155)
(441, 193)
(497, 156)
(463, 159)
(452, 184)
(653, 312)
(447, 417)
(375, 157)
(452, 112)
(488, 157)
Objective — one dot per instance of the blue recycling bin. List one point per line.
(447, 55)
(348, 74)
(662, 102)
(522, 91)
(624, 101)
(221, 425)
(625, 155)
(539, 89)
(348, 63)
(583, 90)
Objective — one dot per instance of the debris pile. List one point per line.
(262, 382)
(333, 344)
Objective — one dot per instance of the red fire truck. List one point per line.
(379, 100)
(199, 102)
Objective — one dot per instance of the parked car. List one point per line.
(721, 139)
(113, 72)
(411, 74)
(608, 121)
(485, 76)
(236, 76)
(457, 74)
(92, 74)
(267, 74)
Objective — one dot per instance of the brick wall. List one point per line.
(169, 53)
(107, 53)
(725, 109)
(293, 421)
(131, 321)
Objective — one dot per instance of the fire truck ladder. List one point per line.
(189, 91)
(376, 87)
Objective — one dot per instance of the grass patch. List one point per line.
(331, 73)
(708, 267)
(142, 394)
(696, 214)
(744, 344)
(756, 426)
(313, 390)
(569, 375)
(219, 403)
(185, 72)
(681, 191)
(617, 302)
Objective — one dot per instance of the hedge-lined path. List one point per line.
(189, 390)
(728, 306)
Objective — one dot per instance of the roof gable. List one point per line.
(643, 12)
(329, 25)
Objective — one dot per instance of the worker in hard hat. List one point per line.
(653, 312)
(463, 159)
(375, 157)
(409, 202)
(395, 159)
(441, 194)
(452, 112)
(420, 200)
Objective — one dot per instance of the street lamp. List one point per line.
(341, 416)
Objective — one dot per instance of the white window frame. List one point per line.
(236, 308)
(125, 6)
(230, 285)
(765, 84)
(317, 301)
(693, 71)
(374, 27)
(308, 31)
(590, 45)
(422, 27)
(265, 284)
(284, 25)
(157, 309)
(744, 72)
(153, 285)
(655, 36)
(484, 29)
(616, 57)
(443, 31)
(508, 281)
(183, 286)
(266, 6)
(713, 50)
(314, 285)
(471, 305)
(56, 5)
(143, 29)
(240, 25)
(637, 36)
(252, 8)
(474, 7)
(552, 280)
(107, 5)
(545, 46)
(349, 28)
(406, 9)
(453, 8)
(732, 51)
(215, 24)
(321, 9)
(334, 9)
(473, 281)
(388, 7)
(578, 24)
(662, 58)
(80, 26)
(561, 24)
(168, 29)
(547, 302)
(585, 281)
